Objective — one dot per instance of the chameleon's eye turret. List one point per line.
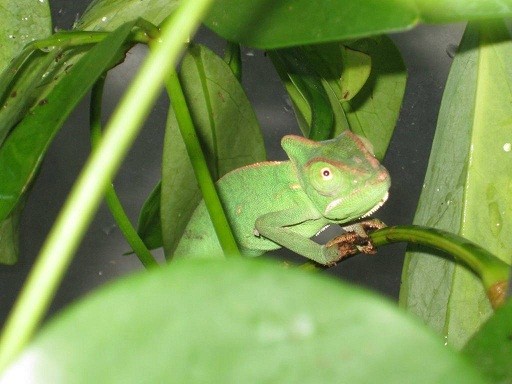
(324, 177)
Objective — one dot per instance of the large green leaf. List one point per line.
(239, 321)
(274, 24)
(24, 148)
(226, 126)
(468, 188)
(107, 15)
(490, 349)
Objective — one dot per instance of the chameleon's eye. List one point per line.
(325, 178)
(326, 173)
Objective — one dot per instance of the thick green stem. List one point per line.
(493, 272)
(113, 202)
(87, 192)
(195, 153)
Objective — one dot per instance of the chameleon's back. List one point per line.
(246, 194)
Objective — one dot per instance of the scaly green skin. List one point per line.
(282, 204)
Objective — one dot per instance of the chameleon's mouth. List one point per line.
(377, 206)
(336, 203)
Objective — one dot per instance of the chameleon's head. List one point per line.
(341, 177)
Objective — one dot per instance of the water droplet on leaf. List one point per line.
(451, 50)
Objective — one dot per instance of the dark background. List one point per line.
(427, 52)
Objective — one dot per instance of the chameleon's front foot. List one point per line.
(355, 240)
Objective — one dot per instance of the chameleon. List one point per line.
(274, 204)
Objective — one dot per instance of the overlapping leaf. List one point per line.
(24, 148)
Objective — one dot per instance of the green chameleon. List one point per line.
(276, 204)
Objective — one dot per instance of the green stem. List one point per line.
(206, 184)
(85, 197)
(113, 202)
(492, 271)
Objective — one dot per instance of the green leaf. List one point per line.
(22, 22)
(239, 321)
(352, 77)
(22, 152)
(373, 111)
(227, 128)
(275, 24)
(490, 349)
(107, 15)
(467, 188)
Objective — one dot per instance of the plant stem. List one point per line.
(85, 197)
(113, 202)
(195, 153)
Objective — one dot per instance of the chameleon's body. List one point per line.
(282, 204)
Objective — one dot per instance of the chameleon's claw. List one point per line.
(355, 240)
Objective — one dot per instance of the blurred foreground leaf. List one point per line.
(231, 322)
